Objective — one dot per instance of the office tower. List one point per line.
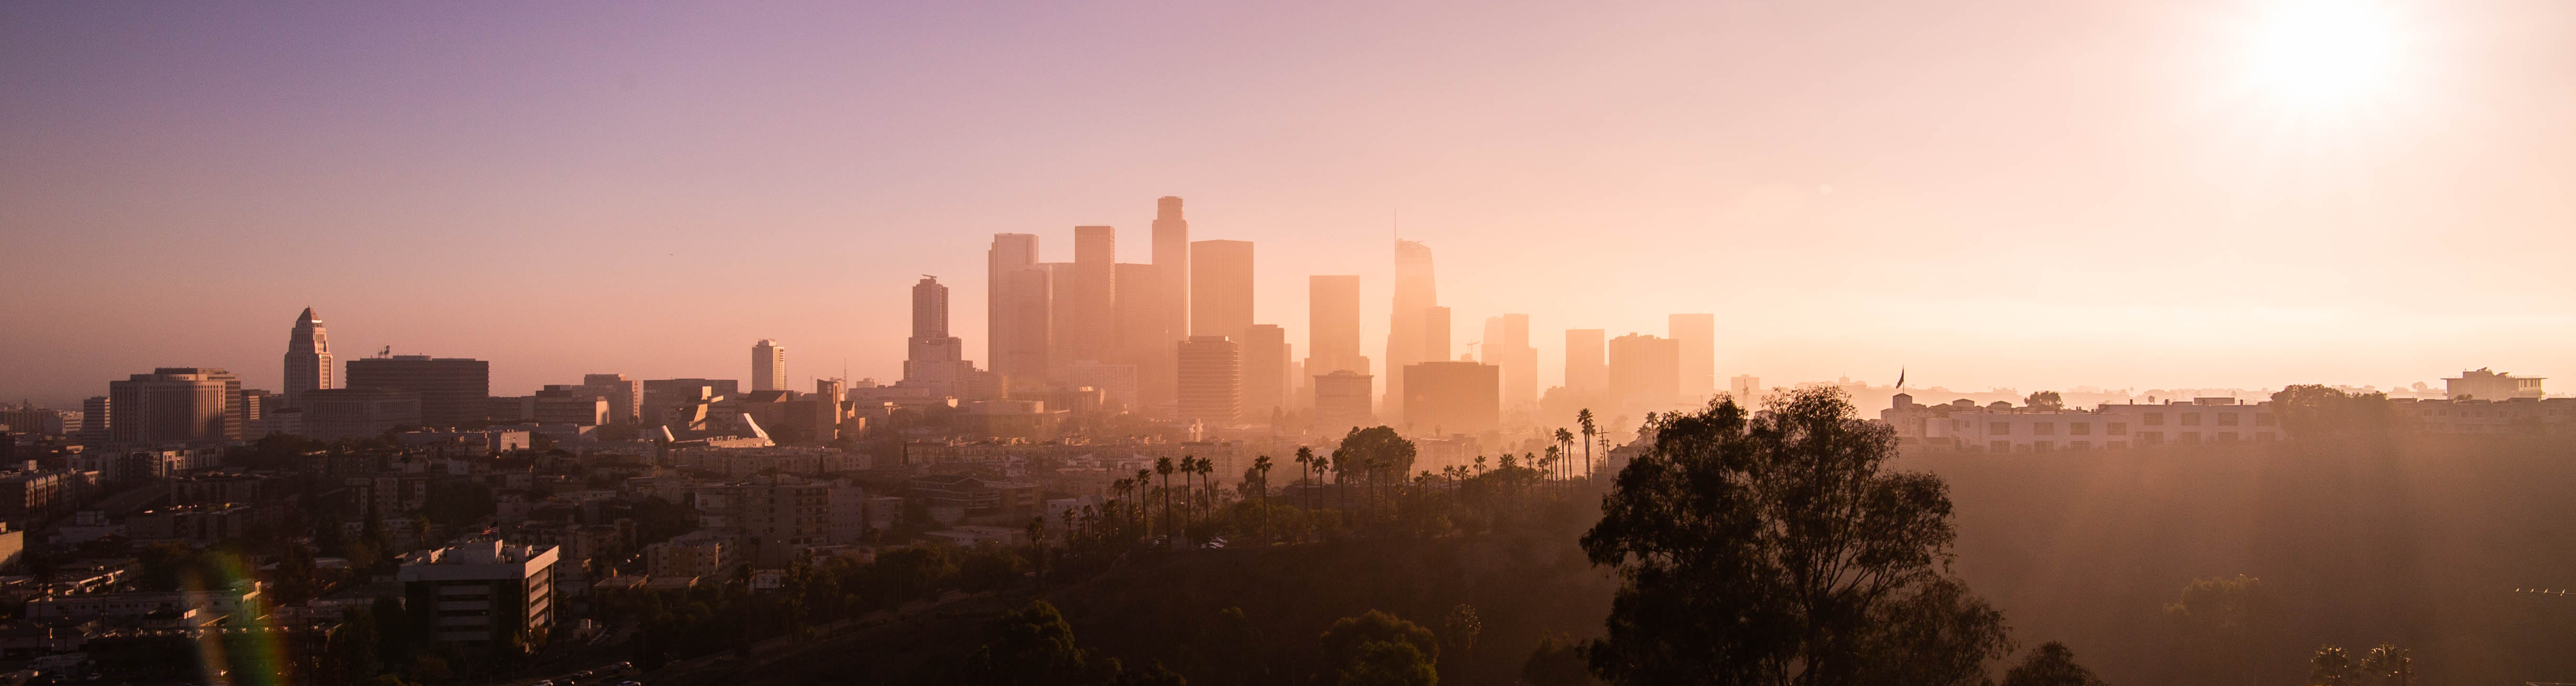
(1019, 295)
(1220, 288)
(1265, 372)
(937, 359)
(1587, 367)
(1114, 380)
(1342, 402)
(1062, 326)
(1443, 398)
(1172, 273)
(169, 405)
(1747, 390)
(453, 390)
(1094, 315)
(1211, 380)
(1435, 334)
(1407, 325)
(308, 358)
(1507, 346)
(768, 366)
(1645, 373)
(1333, 325)
(235, 423)
(1697, 335)
(331, 414)
(248, 411)
(504, 593)
(661, 395)
(94, 418)
(1142, 337)
(625, 396)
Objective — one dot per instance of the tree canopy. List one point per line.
(1777, 549)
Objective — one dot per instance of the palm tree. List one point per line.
(1207, 485)
(1144, 483)
(1584, 418)
(1565, 440)
(1261, 464)
(1163, 466)
(1480, 465)
(1305, 461)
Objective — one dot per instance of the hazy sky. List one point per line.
(2033, 194)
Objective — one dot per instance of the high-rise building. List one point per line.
(1443, 398)
(1342, 402)
(625, 396)
(1645, 373)
(167, 407)
(1746, 389)
(1211, 380)
(94, 418)
(1115, 381)
(1094, 314)
(1063, 324)
(308, 358)
(237, 419)
(1507, 346)
(1220, 288)
(1140, 332)
(1172, 274)
(1333, 325)
(1265, 372)
(768, 366)
(1019, 294)
(453, 390)
(936, 361)
(1697, 335)
(1587, 366)
(1408, 324)
(1435, 334)
(331, 414)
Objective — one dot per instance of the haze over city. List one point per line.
(1722, 343)
(2023, 195)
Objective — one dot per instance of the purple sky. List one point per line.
(2032, 194)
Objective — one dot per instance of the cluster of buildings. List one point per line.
(2478, 402)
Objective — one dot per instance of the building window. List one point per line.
(2118, 429)
(2265, 437)
(2262, 419)
(2191, 419)
(2190, 437)
(2227, 418)
(2116, 445)
(2043, 428)
(2227, 437)
(2002, 446)
(2155, 419)
(2079, 445)
(1999, 429)
(2150, 437)
(2039, 446)
(2022, 448)
(2079, 428)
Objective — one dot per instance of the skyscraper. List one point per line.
(453, 390)
(170, 405)
(768, 366)
(1407, 325)
(1342, 401)
(1697, 334)
(1443, 398)
(1507, 346)
(1265, 372)
(1017, 297)
(237, 419)
(1220, 288)
(1141, 337)
(308, 358)
(1211, 380)
(1587, 367)
(1094, 333)
(937, 359)
(1645, 373)
(1333, 325)
(1172, 272)
(1435, 334)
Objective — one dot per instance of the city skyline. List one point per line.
(2184, 236)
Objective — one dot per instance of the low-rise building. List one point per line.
(484, 593)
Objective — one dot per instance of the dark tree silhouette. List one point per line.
(2052, 664)
(1777, 550)
(2045, 400)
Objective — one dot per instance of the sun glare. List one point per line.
(2323, 53)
